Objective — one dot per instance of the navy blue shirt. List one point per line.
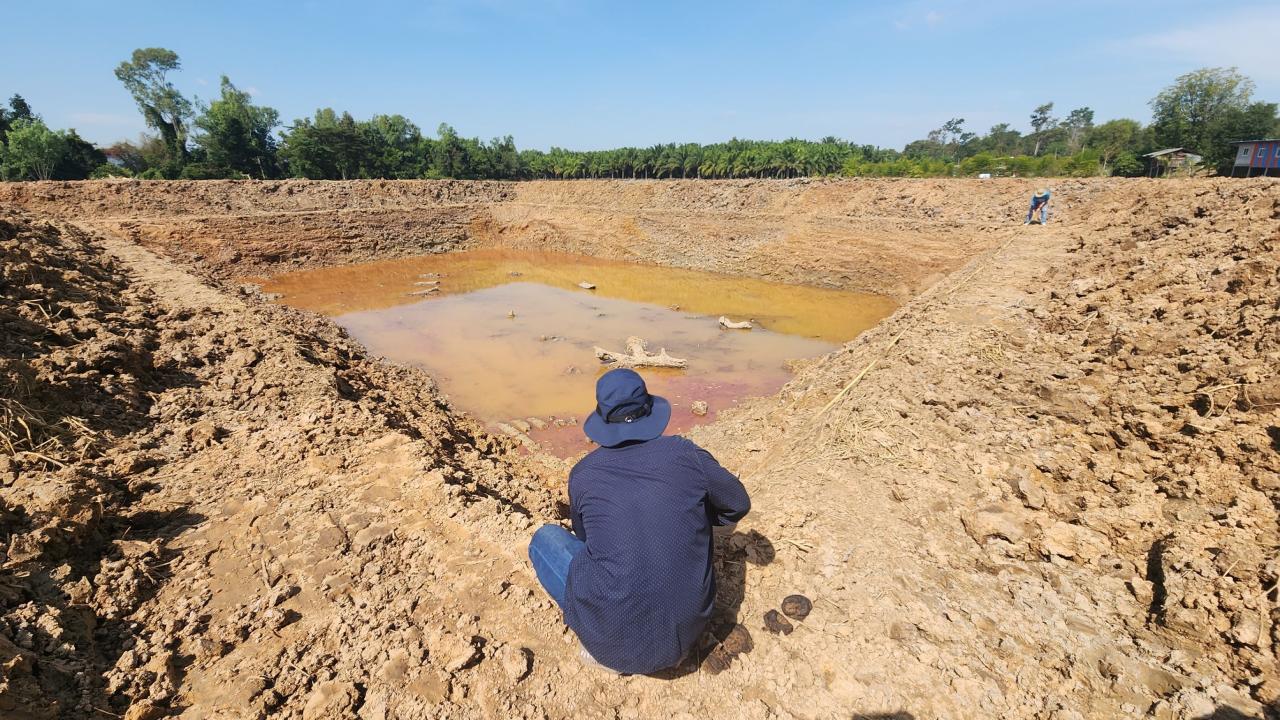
(641, 592)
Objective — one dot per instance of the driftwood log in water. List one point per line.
(638, 356)
(731, 325)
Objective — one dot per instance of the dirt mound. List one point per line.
(130, 420)
(75, 342)
(76, 374)
(1081, 461)
(1169, 337)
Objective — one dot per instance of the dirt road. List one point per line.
(1046, 487)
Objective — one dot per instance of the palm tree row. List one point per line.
(732, 159)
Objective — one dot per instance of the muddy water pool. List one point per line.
(509, 335)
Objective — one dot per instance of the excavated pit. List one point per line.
(511, 335)
(1043, 487)
(886, 238)
(793, 245)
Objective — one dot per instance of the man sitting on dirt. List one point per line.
(1039, 201)
(634, 579)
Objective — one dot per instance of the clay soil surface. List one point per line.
(1046, 487)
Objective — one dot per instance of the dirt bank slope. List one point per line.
(890, 237)
(258, 227)
(1063, 471)
(205, 475)
(893, 237)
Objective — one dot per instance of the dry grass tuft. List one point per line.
(25, 432)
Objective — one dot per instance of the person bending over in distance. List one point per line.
(1039, 201)
(634, 578)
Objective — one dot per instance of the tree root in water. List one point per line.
(638, 356)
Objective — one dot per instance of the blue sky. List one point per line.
(588, 75)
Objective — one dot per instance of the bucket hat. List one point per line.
(625, 410)
(1042, 192)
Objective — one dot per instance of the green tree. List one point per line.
(1077, 126)
(1021, 166)
(79, 159)
(393, 148)
(326, 147)
(450, 154)
(945, 143)
(1042, 121)
(535, 164)
(141, 159)
(305, 152)
(1001, 141)
(1253, 122)
(33, 151)
(506, 159)
(1114, 137)
(145, 76)
(1126, 164)
(1085, 163)
(18, 110)
(235, 134)
(350, 146)
(1184, 113)
(982, 162)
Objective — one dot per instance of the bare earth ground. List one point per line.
(1046, 487)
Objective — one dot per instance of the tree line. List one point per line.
(233, 137)
(31, 151)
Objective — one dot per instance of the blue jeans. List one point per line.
(1042, 207)
(551, 550)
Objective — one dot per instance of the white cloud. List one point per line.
(1238, 39)
(932, 18)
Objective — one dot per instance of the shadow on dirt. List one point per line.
(726, 637)
(81, 590)
(140, 552)
(1230, 713)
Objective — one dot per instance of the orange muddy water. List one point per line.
(509, 335)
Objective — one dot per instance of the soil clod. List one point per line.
(736, 642)
(776, 624)
(796, 607)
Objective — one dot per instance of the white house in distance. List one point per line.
(1256, 157)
